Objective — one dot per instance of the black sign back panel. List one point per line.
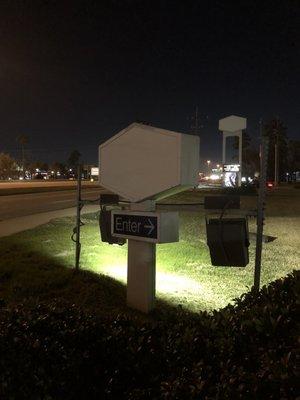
(135, 225)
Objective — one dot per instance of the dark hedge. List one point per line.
(246, 351)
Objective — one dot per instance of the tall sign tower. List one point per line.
(232, 126)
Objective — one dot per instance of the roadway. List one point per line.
(40, 183)
(26, 210)
(20, 205)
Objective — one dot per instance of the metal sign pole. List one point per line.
(260, 210)
(78, 221)
(240, 136)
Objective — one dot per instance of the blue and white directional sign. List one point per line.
(152, 227)
(135, 225)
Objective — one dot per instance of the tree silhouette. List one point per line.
(8, 166)
(250, 156)
(74, 158)
(276, 131)
(294, 156)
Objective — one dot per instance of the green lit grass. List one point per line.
(38, 264)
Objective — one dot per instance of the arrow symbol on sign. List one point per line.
(151, 226)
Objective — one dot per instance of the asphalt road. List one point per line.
(41, 183)
(21, 205)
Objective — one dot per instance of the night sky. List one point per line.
(74, 73)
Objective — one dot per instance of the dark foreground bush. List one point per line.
(246, 351)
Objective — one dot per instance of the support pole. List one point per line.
(141, 275)
(141, 268)
(224, 148)
(78, 221)
(276, 164)
(240, 136)
(260, 211)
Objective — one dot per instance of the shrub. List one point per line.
(248, 350)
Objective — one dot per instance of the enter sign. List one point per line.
(154, 227)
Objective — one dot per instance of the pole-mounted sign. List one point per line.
(142, 164)
(232, 126)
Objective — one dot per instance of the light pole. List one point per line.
(276, 167)
(208, 164)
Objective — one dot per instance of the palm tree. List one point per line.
(22, 141)
(275, 130)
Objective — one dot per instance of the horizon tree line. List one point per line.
(283, 156)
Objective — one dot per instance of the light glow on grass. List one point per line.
(169, 285)
(185, 275)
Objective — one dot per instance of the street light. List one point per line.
(208, 164)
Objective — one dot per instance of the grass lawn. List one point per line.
(37, 264)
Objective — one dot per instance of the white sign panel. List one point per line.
(95, 171)
(143, 162)
(231, 167)
(232, 124)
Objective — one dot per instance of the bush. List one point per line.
(58, 351)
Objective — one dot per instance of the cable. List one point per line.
(221, 224)
(225, 208)
(170, 204)
(75, 228)
(89, 201)
(180, 204)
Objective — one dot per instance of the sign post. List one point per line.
(78, 222)
(143, 229)
(143, 164)
(233, 126)
(141, 271)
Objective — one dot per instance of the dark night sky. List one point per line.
(74, 73)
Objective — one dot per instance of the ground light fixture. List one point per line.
(227, 238)
(105, 228)
(228, 241)
(108, 200)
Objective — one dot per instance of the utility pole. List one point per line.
(260, 207)
(276, 158)
(276, 165)
(195, 128)
(196, 122)
(78, 221)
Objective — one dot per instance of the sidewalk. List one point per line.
(14, 225)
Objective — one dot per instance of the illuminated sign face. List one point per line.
(231, 174)
(230, 179)
(94, 171)
(231, 167)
